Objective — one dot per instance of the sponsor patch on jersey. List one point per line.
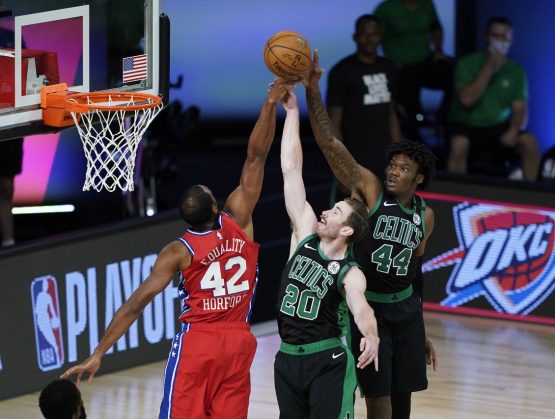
(505, 254)
(333, 267)
(48, 331)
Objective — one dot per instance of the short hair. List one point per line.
(196, 206)
(497, 19)
(420, 154)
(366, 18)
(357, 220)
(60, 399)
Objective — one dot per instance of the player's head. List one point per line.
(411, 166)
(499, 34)
(61, 399)
(368, 34)
(198, 207)
(347, 219)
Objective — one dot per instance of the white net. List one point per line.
(110, 140)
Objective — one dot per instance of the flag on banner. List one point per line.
(134, 68)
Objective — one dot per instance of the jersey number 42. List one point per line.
(220, 282)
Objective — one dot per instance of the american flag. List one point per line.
(134, 68)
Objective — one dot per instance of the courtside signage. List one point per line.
(91, 299)
(503, 253)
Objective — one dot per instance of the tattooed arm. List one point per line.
(362, 182)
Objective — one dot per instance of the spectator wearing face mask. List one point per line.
(489, 110)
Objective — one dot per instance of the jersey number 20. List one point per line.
(214, 277)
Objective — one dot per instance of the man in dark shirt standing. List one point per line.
(360, 98)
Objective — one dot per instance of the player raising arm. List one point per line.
(400, 223)
(314, 371)
(216, 259)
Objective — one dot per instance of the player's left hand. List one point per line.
(90, 365)
(313, 73)
(368, 351)
(431, 357)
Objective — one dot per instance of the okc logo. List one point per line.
(46, 313)
(505, 254)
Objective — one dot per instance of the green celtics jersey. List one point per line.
(387, 254)
(310, 293)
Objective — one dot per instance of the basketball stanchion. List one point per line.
(110, 144)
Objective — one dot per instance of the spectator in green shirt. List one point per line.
(413, 38)
(490, 106)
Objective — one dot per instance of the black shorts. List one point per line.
(485, 140)
(317, 385)
(11, 157)
(402, 350)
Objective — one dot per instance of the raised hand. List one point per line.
(289, 101)
(279, 88)
(312, 75)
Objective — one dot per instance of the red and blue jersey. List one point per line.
(220, 283)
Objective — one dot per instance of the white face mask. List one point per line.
(501, 47)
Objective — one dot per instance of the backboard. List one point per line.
(101, 45)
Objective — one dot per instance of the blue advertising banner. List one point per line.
(491, 258)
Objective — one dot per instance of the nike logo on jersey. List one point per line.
(335, 356)
(309, 247)
(389, 204)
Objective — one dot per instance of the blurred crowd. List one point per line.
(480, 125)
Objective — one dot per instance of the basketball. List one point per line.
(287, 54)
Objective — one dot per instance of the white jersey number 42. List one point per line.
(214, 277)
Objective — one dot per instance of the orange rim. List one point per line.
(79, 102)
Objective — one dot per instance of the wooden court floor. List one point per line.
(487, 369)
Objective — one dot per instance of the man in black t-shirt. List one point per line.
(360, 98)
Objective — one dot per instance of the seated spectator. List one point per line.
(490, 107)
(61, 399)
(409, 28)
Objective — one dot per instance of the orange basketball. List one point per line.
(287, 54)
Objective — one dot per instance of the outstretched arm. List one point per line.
(360, 180)
(299, 210)
(242, 200)
(354, 283)
(173, 257)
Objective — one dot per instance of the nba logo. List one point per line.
(46, 314)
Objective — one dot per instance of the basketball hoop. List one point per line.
(110, 124)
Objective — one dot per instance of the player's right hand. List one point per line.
(90, 365)
(290, 101)
(279, 88)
